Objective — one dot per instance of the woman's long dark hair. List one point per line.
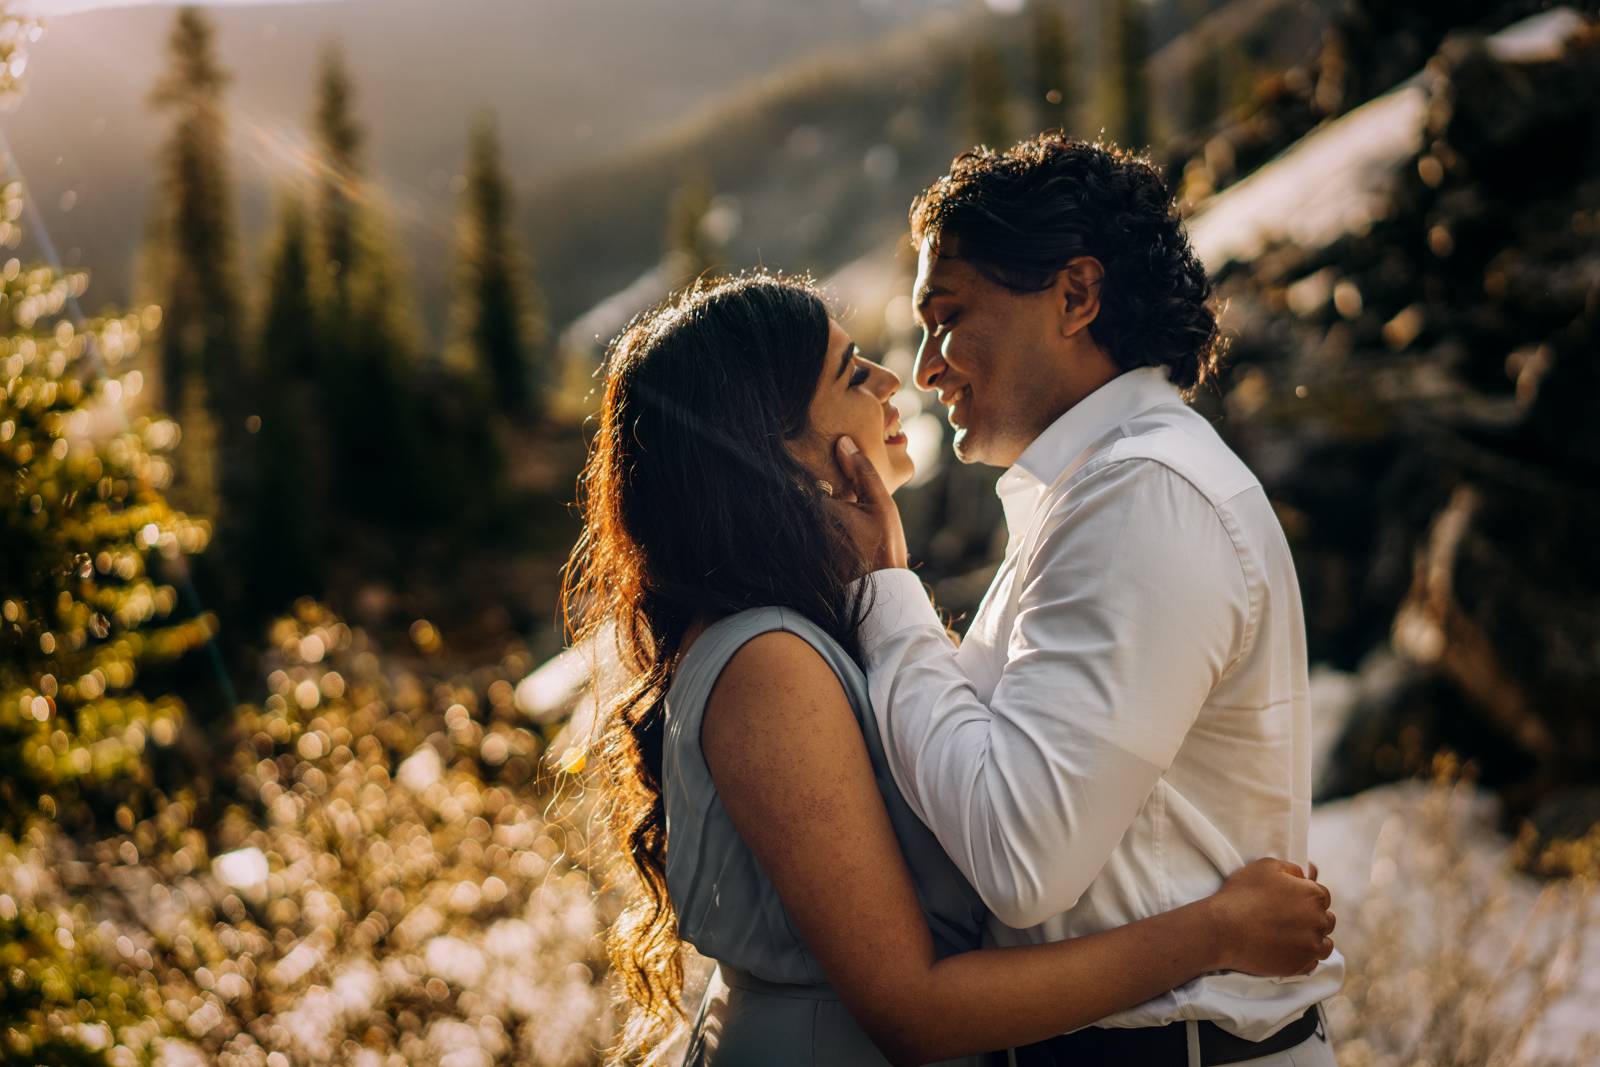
(694, 508)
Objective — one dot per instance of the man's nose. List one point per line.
(929, 364)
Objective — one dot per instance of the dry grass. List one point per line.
(1457, 958)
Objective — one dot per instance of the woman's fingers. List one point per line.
(871, 521)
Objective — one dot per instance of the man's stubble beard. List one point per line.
(979, 447)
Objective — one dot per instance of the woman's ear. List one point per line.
(814, 451)
(1077, 292)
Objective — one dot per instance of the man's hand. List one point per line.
(1272, 920)
(866, 511)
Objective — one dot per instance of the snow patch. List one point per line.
(1335, 180)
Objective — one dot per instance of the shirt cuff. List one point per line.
(898, 602)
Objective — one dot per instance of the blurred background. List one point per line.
(301, 305)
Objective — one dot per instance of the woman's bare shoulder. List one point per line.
(777, 703)
(776, 671)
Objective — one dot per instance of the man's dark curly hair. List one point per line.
(1018, 216)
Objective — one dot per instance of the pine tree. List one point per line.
(1052, 67)
(367, 330)
(496, 323)
(202, 354)
(284, 546)
(339, 142)
(1127, 86)
(81, 615)
(988, 97)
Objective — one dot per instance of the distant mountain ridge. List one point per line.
(572, 80)
(816, 123)
(822, 158)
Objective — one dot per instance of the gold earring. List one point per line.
(826, 486)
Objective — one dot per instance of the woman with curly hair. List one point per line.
(746, 774)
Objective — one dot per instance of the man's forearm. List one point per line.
(1026, 803)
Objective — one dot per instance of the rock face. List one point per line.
(1420, 395)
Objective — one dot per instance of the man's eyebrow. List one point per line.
(844, 361)
(926, 294)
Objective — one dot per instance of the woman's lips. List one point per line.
(892, 434)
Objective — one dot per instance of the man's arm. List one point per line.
(1131, 608)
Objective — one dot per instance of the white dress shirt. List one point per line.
(1128, 718)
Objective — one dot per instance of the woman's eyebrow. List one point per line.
(844, 361)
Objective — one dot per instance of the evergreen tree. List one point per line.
(690, 251)
(81, 615)
(496, 323)
(988, 97)
(367, 328)
(1127, 86)
(1052, 67)
(339, 143)
(284, 548)
(202, 364)
(287, 346)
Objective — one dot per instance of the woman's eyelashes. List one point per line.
(859, 376)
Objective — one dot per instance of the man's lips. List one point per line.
(952, 403)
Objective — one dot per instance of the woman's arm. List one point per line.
(792, 769)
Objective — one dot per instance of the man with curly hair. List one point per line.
(1127, 720)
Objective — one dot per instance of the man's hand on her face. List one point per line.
(866, 510)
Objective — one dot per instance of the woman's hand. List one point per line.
(1272, 920)
(866, 510)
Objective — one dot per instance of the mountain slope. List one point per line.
(572, 80)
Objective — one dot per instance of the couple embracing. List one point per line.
(1072, 838)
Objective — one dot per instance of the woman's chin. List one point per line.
(901, 471)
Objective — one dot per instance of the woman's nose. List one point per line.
(885, 382)
(929, 364)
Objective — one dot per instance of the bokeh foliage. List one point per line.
(85, 528)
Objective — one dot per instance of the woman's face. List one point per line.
(854, 397)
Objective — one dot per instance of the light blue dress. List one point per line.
(769, 1003)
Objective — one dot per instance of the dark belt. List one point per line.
(1156, 1045)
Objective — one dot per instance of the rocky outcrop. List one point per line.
(1420, 393)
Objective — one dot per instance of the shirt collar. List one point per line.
(1064, 440)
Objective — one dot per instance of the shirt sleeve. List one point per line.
(1131, 608)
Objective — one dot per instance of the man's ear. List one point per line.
(1077, 293)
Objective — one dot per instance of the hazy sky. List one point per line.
(71, 7)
